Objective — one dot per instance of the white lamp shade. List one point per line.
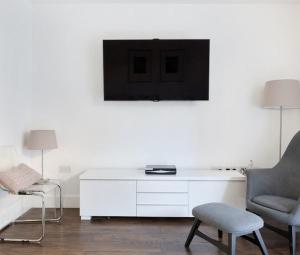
(42, 140)
(282, 93)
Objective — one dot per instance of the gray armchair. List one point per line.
(275, 193)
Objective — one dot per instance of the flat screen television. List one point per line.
(156, 69)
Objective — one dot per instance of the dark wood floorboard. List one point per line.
(125, 236)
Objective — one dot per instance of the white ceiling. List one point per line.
(173, 1)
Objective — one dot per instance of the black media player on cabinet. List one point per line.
(156, 69)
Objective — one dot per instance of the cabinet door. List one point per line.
(230, 192)
(107, 198)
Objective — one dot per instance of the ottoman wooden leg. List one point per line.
(220, 234)
(260, 242)
(191, 235)
(231, 244)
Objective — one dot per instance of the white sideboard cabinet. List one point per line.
(131, 193)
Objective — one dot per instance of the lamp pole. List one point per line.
(42, 164)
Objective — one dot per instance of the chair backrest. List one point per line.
(8, 157)
(289, 169)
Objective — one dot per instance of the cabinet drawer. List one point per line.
(162, 211)
(162, 186)
(162, 198)
(107, 198)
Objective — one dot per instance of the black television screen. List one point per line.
(156, 69)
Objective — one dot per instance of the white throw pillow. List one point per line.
(19, 178)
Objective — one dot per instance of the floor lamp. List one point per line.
(282, 94)
(42, 140)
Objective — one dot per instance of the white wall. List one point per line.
(15, 70)
(15, 85)
(250, 43)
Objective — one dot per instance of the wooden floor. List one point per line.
(124, 236)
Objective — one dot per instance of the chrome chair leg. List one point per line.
(55, 219)
(43, 221)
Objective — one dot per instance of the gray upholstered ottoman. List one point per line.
(236, 222)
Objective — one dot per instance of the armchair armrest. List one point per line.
(260, 182)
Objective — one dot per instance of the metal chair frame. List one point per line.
(43, 220)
